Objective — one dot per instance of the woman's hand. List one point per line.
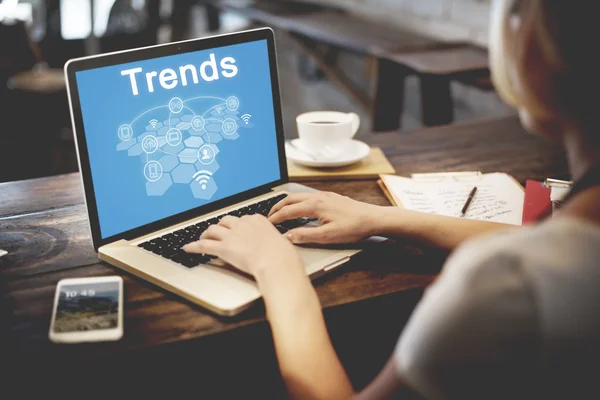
(344, 220)
(251, 244)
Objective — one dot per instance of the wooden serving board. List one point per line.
(371, 167)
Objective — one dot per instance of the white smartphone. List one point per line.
(87, 310)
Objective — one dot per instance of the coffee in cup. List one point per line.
(327, 129)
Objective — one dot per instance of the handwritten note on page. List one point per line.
(499, 198)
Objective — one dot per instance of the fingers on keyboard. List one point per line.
(170, 245)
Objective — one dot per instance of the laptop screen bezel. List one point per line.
(123, 57)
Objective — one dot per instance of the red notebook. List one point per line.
(537, 202)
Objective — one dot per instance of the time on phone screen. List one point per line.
(87, 307)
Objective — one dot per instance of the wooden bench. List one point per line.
(435, 62)
(331, 26)
(436, 70)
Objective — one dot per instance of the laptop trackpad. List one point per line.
(315, 259)
(313, 255)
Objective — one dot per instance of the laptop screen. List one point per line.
(169, 134)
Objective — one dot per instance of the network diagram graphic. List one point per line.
(183, 149)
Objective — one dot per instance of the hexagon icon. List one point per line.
(188, 156)
(174, 150)
(194, 132)
(162, 141)
(159, 187)
(212, 168)
(135, 150)
(163, 131)
(212, 137)
(182, 126)
(183, 173)
(194, 142)
(233, 136)
(168, 162)
(171, 122)
(206, 193)
(216, 148)
(213, 125)
(125, 145)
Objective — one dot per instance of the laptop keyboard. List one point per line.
(170, 245)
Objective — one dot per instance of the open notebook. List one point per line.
(499, 196)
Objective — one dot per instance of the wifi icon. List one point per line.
(202, 177)
(246, 118)
(153, 123)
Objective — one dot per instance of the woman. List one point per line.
(512, 314)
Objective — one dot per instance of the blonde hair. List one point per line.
(499, 38)
(550, 54)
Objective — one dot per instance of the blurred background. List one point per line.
(37, 37)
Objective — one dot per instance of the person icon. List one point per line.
(206, 154)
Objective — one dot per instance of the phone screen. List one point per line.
(87, 307)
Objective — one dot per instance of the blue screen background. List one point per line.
(120, 184)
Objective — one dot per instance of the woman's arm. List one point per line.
(440, 231)
(348, 221)
(308, 362)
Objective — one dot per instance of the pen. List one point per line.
(468, 202)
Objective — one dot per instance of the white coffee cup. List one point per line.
(321, 129)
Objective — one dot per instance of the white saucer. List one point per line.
(350, 153)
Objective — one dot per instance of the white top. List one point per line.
(512, 315)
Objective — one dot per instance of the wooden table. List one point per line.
(43, 225)
(43, 81)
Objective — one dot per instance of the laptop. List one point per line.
(170, 139)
